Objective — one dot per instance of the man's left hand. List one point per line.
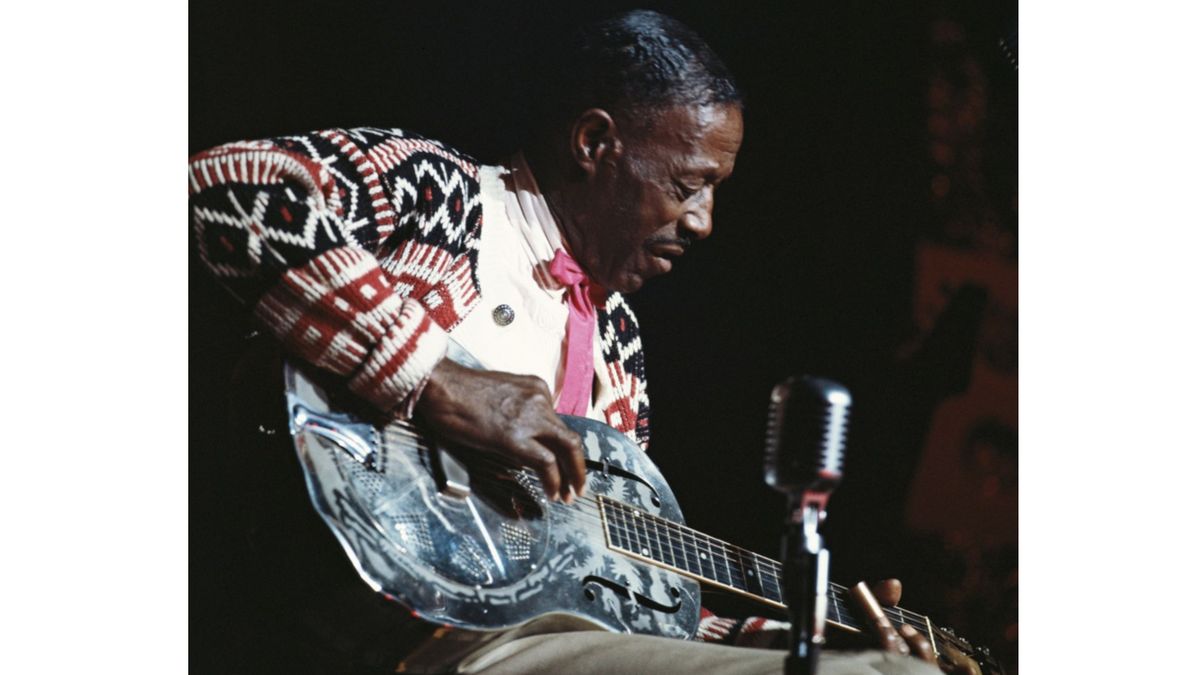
(869, 602)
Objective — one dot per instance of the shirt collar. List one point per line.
(533, 209)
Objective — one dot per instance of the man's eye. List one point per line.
(685, 191)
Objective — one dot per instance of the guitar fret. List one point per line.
(629, 537)
(691, 562)
(635, 542)
(733, 563)
(754, 580)
(640, 533)
(723, 554)
(635, 533)
(718, 560)
(836, 604)
(770, 578)
(642, 540)
(631, 528)
(669, 550)
(626, 540)
(610, 525)
(687, 553)
(679, 551)
(617, 534)
(631, 524)
(657, 543)
(745, 573)
(707, 568)
(695, 562)
(712, 556)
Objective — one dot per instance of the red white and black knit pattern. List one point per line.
(754, 631)
(358, 250)
(625, 404)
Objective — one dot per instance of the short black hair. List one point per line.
(632, 63)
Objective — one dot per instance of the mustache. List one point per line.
(683, 241)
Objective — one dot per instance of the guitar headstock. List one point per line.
(952, 649)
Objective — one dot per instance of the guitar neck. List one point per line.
(694, 554)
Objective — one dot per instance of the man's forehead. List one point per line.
(703, 137)
(690, 122)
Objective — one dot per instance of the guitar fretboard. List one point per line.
(692, 553)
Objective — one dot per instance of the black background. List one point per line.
(809, 269)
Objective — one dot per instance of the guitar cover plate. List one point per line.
(496, 555)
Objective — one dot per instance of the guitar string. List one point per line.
(836, 591)
(497, 464)
(736, 571)
(722, 548)
(693, 562)
(690, 560)
(501, 465)
(693, 557)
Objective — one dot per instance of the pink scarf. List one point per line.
(576, 392)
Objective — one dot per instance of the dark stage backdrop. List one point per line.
(868, 235)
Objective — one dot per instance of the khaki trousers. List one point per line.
(603, 653)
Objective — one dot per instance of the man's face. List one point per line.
(656, 198)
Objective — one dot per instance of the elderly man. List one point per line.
(364, 252)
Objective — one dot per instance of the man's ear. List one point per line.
(595, 140)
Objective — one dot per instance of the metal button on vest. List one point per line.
(503, 315)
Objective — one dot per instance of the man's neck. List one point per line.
(549, 177)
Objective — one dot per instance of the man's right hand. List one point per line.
(511, 416)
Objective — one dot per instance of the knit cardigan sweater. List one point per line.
(358, 249)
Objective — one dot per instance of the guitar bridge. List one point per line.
(452, 478)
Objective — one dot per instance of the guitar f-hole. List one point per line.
(608, 469)
(623, 591)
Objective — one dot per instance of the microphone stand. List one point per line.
(805, 583)
(806, 434)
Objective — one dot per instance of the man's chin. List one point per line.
(628, 287)
(629, 282)
(633, 280)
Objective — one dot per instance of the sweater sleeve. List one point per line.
(754, 631)
(304, 231)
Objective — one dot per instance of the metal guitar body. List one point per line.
(469, 544)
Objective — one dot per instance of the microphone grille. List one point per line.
(806, 434)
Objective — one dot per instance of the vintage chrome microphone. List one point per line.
(806, 437)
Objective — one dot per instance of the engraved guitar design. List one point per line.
(477, 549)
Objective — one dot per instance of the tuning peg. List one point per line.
(949, 631)
(985, 651)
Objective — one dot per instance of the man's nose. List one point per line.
(698, 220)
